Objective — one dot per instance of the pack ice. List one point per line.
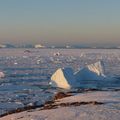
(66, 79)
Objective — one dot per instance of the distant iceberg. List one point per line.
(66, 79)
(39, 46)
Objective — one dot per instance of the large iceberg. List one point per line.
(91, 72)
(65, 78)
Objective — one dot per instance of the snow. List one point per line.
(107, 97)
(110, 110)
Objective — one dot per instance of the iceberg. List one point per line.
(66, 79)
(91, 72)
(39, 46)
(63, 78)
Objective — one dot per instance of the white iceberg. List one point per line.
(91, 72)
(39, 46)
(63, 78)
(66, 79)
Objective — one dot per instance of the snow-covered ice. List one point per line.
(109, 110)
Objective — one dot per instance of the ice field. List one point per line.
(27, 73)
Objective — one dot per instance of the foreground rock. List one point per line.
(61, 95)
(98, 105)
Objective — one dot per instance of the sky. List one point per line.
(60, 22)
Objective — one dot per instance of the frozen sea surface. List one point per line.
(27, 72)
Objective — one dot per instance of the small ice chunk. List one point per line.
(2, 75)
(15, 63)
(38, 61)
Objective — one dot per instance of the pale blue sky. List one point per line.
(60, 22)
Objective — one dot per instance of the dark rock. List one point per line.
(61, 95)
